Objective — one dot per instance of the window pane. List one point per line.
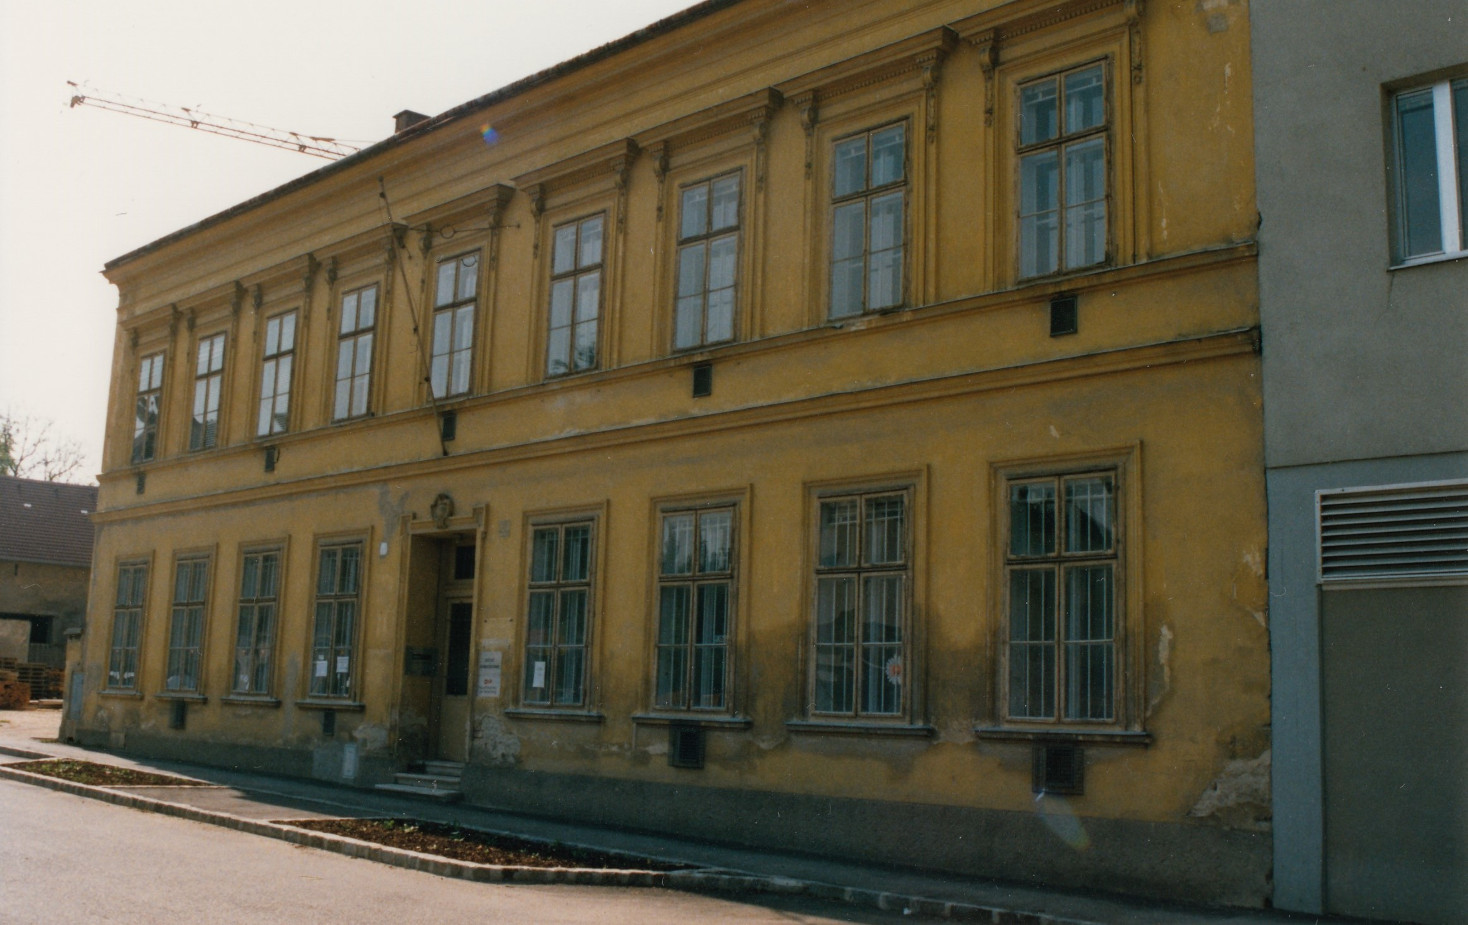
(569, 665)
(672, 678)
(1088, 515)
(543, 555)
(721, 262)
(726, 204)
(562, 291)
(886, 531)
(571, 627)
(590, 242)
(468, 277)
(1039, 196)
(849, 230)
(351, 562)
(1085, 99)
(577, 564)
(1037, 115)
(694, 211)
(713, 614)
(1085, 196)
(720, 316)
(836, 610)
(1090, 652)
(838, 533)
(588, 296)
(367, 302)
(1418, 198)
(1031, 519)
(678, 545)
(674, 605)
(835, 678)
(564, 259)
(690, 269)
(1031, 646)
(686, 321)
(585, 347)
(463, 327)
(886, 228)
(714, 540)
(887, 155)
(708, 677)
(288, 332)
(558, 352)
(851, 166)
(846, 288)
(444, 289)
(1460, 145)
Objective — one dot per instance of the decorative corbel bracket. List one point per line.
(930, 65)
(760, 123)
(987, 43)
(308, 278)
(659, 152)
(621, 166)
(257, 296)
(499, 201)
(237, 299)
(808, 103)
(174, 314)
(331, 271)
(1133, 10)
(132, 339)
(425, 242)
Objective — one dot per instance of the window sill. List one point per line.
(122, 694)
(1070, 735)
(345, 706)
(565, 716)
(716, 720)
(1446, 257)
(188, 696)
(855, 727)
(248, 700)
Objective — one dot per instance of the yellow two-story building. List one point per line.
(827, 426)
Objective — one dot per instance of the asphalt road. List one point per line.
(66, 859)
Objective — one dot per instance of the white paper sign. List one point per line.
(321, 668)
(342, 661)
(489, 682)
(539, 680)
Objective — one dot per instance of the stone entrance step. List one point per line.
(431, 780)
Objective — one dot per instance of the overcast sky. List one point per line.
(81, 186)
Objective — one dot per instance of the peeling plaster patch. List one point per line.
(390, 509)
(1054, 433)
(1239, 798)
(659, 747)
(1218, 20)
(1164, 663)
(768, 742)
(494, 744)
(371, 737)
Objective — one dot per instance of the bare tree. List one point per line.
(29, 449)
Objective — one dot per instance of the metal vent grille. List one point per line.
(685, 745)
(1394, 534)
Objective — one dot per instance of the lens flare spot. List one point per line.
(1060, 819)
(488, 133)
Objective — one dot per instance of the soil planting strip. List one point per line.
(702, 880)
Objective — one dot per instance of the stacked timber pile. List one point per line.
(15, 694)
(43, 681)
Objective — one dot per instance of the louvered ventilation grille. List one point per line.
(1397, 533)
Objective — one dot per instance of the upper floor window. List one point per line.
(1062, 560)
(708, 255)
(863, 583)
(1062, 172)
(255, 632)
(334, 628)
(453, 325)
(1430, 179)
(868, 220)
(354, 353)
(145, 421)
(695, 587)
(275, 375)
(556, 628)
(208, 383)
(575, 297)
(127, 622)
(186, 629)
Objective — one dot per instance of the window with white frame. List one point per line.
(150, 395)
(127, 621)
(575, 296)
(695, 609)
(868, 221)
(1430, 170)
(186, 629)
(275, 375)
(355, 332)
(557, 625)
(1063, 124)
(208, 384)
(1062, 559)
(334, 627)
(708, 257)
(255, 631)
(863, 580)
(454, 300)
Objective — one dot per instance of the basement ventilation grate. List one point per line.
(1397, 533)
(1058, 769)
(685, 745)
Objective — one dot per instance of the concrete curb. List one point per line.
(700, 880)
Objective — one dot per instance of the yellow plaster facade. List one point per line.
(937, 409)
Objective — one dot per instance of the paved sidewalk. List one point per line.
(253, 802)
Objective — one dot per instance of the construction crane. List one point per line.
(314, 145)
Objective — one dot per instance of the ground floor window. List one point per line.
(186, 629)
(255, 633)
(695, 587)
(127, 621)
(334, 630)
(559, 615)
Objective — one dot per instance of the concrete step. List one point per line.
(427, 793)
(453, 769)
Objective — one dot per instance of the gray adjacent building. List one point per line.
(1362, 153)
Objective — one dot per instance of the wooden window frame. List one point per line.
(208, 386)
(866, 195)
(557, 587)
(355, 383)
(469, 264)
(694, 580)
(189, 614)
(338, 645)
(277, 363)
(261, 644)
(133, 611)
(574, 275)
(706, 239)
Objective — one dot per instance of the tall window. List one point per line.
(1061, 564)
(127, 620)
(354, 353)
(863, 575)
(275, 375)
(186, 630)
(255, 633)
(708, 255)
(334, 631)
(208, 382)
(453, 325)
(868, 219)
(695, 583)
(560, 610)
(1430, 180)
(145, 420)
(575, 303)
(1062, 172)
